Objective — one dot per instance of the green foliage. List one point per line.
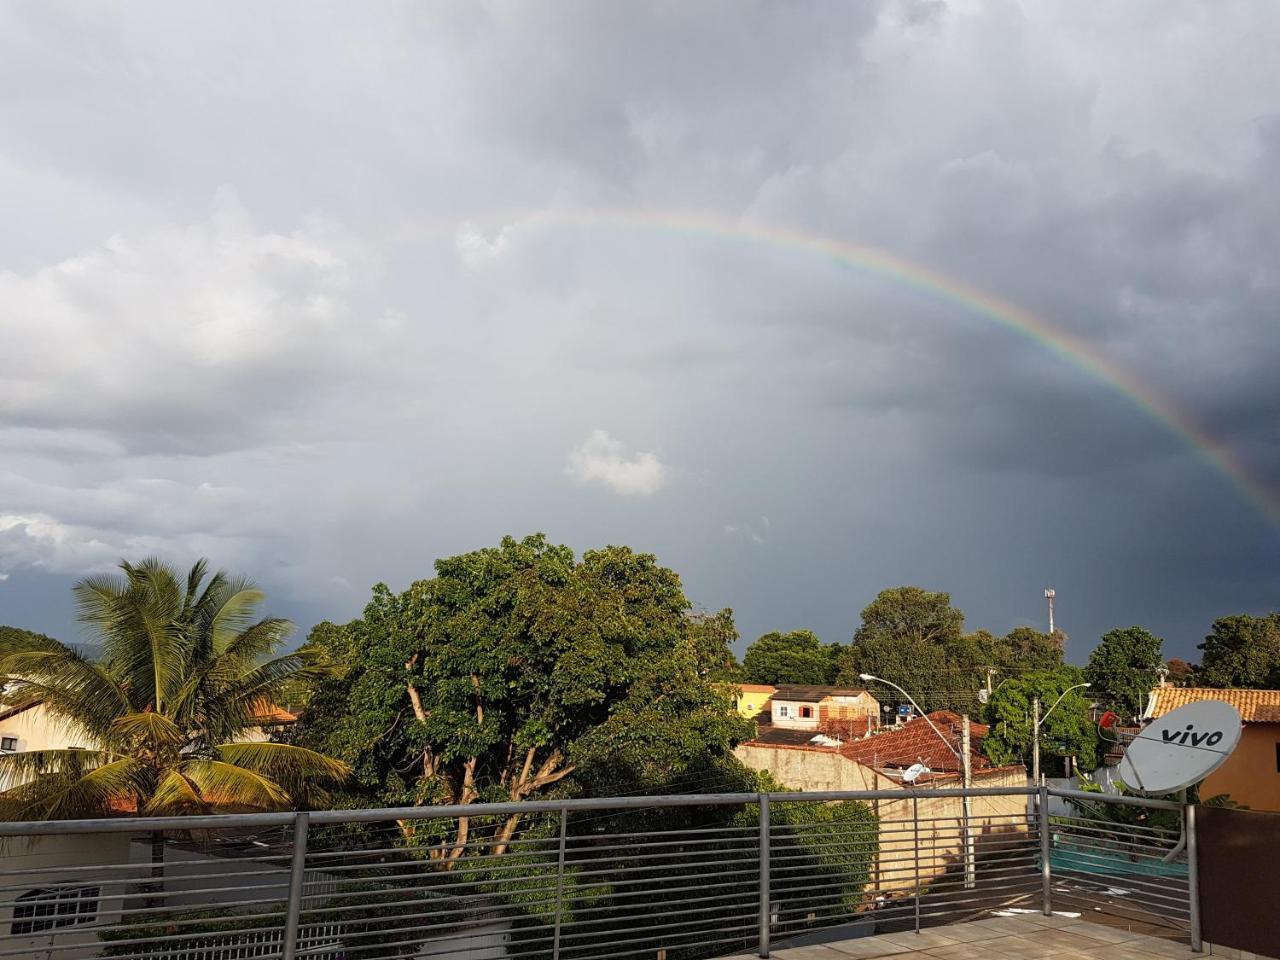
(1067, 731)
(794, 657)
(1242, 651)
(182, 670)
(714, 634)
(1025, 648)
(518, 666)
(832, 843)
(1123, 669)
(915, 638)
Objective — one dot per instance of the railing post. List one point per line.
(297, 877)
(555, 943)
(764, 874)
(915, 835)
(1046, 880)
(1193, 879)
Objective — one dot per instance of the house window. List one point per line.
(39, 910)
(8, 744)
(806, 712)
(783, 710)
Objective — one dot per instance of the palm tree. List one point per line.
(181, 670)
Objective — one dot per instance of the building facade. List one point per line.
(1251, 775)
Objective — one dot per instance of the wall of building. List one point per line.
(995, 821)
(1251, 775)
(38, 729)
(40, 863)
(751, 702)
(789, 714)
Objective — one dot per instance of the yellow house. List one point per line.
(752, 698)
(1251, 775)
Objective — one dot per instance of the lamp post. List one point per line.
(1037, 721)
(965, 768)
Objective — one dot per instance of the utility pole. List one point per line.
(1035, 741)
(966, 765)
(991, 675)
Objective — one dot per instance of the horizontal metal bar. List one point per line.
(1126, 800)
(480, 810)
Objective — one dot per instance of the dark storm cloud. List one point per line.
(277, 292)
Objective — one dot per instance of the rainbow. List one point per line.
(1064, 344)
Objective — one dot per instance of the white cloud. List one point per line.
(602, 459)
(38, 540)
(149, 332)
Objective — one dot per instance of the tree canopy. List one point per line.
(182, 672)
(1124, 668)
(1067, 731)
(518, 666)
(1242, 651)
(915, 638)
(797, 656)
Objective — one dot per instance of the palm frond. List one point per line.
(194, 578)
(74, 687)
(229, 786)
(296, 769)
(175, 794)
(142, 634)
(154, 730)
(238, 603)
(79, 791)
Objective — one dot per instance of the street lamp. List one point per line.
(1038, 720)
(965, 768)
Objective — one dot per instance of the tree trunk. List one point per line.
(154, 888)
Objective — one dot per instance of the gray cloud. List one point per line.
(280, 291)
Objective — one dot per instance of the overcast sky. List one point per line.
(325, 291)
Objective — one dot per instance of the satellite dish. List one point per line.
(914, 772)
(1181, 748)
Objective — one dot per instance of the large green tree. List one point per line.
(915, 638)
(1123, 669)
(797, 656)
(1067, 731)
(1242, 651)
(516, 667)
(181, 670)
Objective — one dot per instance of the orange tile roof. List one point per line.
(271, 713)
(1255, 706)
(756, 688)
(916, 742)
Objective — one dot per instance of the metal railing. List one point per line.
(666, 878)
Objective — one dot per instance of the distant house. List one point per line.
(805, 759)
(752, 698)
(1251, 775)
(797, 707)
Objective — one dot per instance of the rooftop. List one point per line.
(917, 742)
(1255, 706)
(813, 694)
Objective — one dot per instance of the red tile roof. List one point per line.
(916, 742)
(272, 713)
(1255, 706)
(756, 687)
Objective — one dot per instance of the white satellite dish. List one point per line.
(1181, 748)
(915, 772)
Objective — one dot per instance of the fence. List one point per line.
(666, 878)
